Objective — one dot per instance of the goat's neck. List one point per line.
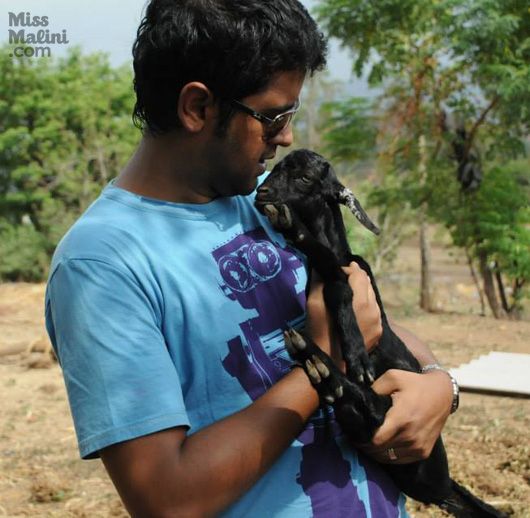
(328, 229)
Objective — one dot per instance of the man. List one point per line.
(167, 299)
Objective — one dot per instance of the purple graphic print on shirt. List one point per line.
(262, 277)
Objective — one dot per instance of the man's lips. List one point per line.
(265, 158)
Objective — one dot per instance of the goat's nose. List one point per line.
(263, 190)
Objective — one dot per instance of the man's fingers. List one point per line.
(389, 382)
(389, 454)
(387, 432)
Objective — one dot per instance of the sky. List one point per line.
(110, 26)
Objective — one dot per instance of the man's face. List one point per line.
(238, 157)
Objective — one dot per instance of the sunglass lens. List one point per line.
(279, 124)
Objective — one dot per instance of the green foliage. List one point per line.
(384, 33)
(462, 54)
(317, 91)
(393, 215)
(494, 220)
(23, 252)
(466, 58)
(65, 129)
(350, 129)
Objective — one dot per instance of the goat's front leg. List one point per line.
(358, 409)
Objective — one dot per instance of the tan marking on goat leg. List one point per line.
(321, 367)
(312, 372)
(297, 340)
(339, 392)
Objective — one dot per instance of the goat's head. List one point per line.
(305, 182)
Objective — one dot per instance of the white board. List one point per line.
(496, 372)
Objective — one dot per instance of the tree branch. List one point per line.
(478, 122)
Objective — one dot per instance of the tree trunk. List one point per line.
(489, 286)
(477, 283)
(500, 287)
(426, 302)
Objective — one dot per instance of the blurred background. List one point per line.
(424, 113)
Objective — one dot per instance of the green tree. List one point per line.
(469, 58)
(65, 129)
(497, 234)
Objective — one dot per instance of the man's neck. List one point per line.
(164, 168)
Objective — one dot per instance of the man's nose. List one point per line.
(284, 138)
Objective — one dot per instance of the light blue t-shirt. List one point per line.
(165, 315)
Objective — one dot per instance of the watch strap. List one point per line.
(456, 388)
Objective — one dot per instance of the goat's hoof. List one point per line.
(339, 391)
(297, 340)
(363, 373)
(329, 399)
(312, 372)
(321, 367)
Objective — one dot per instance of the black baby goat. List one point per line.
(301, 198)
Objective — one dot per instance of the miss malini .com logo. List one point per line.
(28, 41)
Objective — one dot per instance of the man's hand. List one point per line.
(421, 404)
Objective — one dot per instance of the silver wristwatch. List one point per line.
(456, 388)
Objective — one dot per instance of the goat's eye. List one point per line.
(306, 180)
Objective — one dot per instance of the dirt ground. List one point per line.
(41, 474)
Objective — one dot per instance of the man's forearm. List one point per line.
(421, 352)
(250, 441)
(205, 472)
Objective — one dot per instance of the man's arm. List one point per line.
(169, 474)
(421, 352)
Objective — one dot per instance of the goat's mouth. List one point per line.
(263, 198)
(263, 204)
(277, 213)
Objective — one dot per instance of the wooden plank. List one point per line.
(496, 373)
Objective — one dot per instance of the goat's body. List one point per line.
(317, 229)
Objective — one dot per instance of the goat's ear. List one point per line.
(346, 197)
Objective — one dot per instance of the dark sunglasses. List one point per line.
(272, 127)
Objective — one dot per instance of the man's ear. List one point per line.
(196, 106)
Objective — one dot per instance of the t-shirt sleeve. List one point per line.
(119, 376)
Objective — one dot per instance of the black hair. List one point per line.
(234, 47)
